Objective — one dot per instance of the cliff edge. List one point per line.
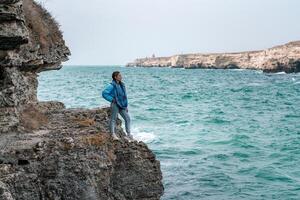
(280, 58)
(46, 150)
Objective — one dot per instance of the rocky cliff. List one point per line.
(280, 58)
(46, 150)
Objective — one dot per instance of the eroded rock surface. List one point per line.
(70, 155)
(46, 150)
(280, 58)
(30, 42)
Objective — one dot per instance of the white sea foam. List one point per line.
(259, 71)
(280, 73)
(142, 135)
(254, 84)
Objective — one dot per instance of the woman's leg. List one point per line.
(126, 117)
(113, 118)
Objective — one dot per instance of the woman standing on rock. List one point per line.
(115, 93)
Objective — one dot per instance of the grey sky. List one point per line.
(118, 31)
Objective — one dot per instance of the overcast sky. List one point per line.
(102, 32)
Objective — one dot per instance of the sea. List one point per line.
(218, 134)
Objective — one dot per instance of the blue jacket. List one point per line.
(117, 92)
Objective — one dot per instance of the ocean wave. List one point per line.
(280, 73)
(238, 69)
(143, 135)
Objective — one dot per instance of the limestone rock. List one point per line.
(46, 150)
(67, 158)
(280, 58)
(30, 42)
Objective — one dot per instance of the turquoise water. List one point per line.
(219, 134)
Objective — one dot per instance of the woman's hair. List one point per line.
(114, 74)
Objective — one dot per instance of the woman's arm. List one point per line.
(107, 93)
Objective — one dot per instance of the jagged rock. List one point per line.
(64, 160)
(46, 150)
(280, 58)
(30, 42)
(13, 31)
(32, 37)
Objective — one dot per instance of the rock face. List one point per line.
(280, 58)
(46, 150)
(30, 42)
(68, 154)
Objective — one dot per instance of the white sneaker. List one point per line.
(129, 137)
(115, 137)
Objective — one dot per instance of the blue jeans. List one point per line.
(113, 118)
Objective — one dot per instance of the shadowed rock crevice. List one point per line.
(46, 150)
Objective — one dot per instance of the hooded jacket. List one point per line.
(116, 91)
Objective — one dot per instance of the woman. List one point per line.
(115, 93)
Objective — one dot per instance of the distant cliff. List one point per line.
(280, 58)
(46, 150)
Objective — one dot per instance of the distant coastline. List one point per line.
(283, 58)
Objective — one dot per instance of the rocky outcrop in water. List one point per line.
(46, 150)
(280, 58)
